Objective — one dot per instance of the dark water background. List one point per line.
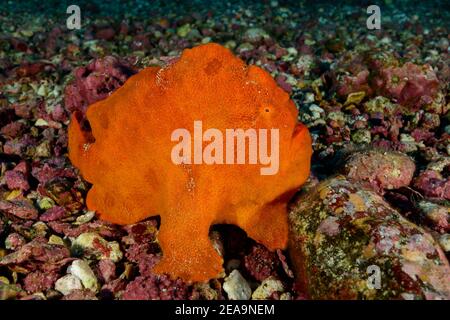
(147, 9)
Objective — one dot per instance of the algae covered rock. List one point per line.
(346, 242)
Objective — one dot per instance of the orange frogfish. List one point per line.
(164, 144)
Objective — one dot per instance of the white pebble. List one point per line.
(66, 284)
(82, 270)
(236, 287)
(267, 288)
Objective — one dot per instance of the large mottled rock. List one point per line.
(342, 236)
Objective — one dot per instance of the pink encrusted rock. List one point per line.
(432, 184)
(16, 180)
(23, 209)
(141, 232)
(95, 82)
(409, 85)
(381, 170)
(351, 75)
(18, 177)
(52, 214)
(63, 192)
(103, 228)
(45, 172)
(20, 146)
(38, 255)
(113, 289)
(261, 263)
(83, 294)
(107, 270)
(39, 281)
(13, 129)
(156, 287)
(146, 264)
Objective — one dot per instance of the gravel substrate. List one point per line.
(376, 104)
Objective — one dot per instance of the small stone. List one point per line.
(23, 209)
(338, 117)
(439, 165)
(40, 229)
(286, 296)
(16, 180)
(43, 150)
(362, 136)
(42, 90)
(245, 47)
(107, 270)
(93, 245)
(184, 30)
(381, 105)
(41, 123)
(309, 98)
(433, 184)
(206, 40)
(66, 284)
(236, 287)
(82, 270)
(230, 44)
(268, 287)
(409, 143)
(355, 98)
(83, 294)
(205, 291)
(45, 203)
(55, 240)
(255, 35)
(444, 241)
(14, 241)
(14, 194)
(317, 113)
(53, 214)
(88, 216)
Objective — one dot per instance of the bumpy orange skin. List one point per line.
(133, 176)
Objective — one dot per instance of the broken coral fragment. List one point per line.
(127, 156)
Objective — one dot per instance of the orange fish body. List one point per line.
(127, 157)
